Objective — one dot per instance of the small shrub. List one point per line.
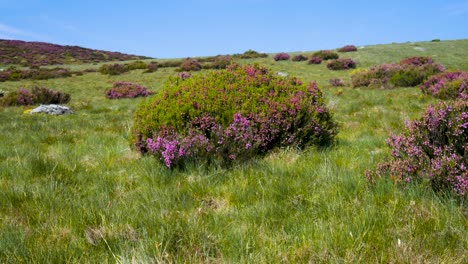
(220, 62)
(126, 90)
(190, 64)
(184, 75)
(230, 116)
(299, 57)
(432, 149)
(416, 61)
(341, 64)
(151, 67)
(113, 69)
(315, 60)
(136, 65)
(170, 64)
(448, 85)
(336, 82)
(326, 55)
(37, 95)
(251, 54)
(435, 40)
(403, 74)
(347, 48)
(281, 56)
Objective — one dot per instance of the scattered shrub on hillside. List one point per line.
(136, 65)
(281, 56)
(315, 60)
(250, 54)
(299, 57)
(416, 61)
(37, 95)
(347, 48)
(219, 62)
(448, 85)
(335, 82)
(126, 90)
(113, 69)
(230, 116)
(433, 149)
(435, 40)
(391, 75)
(33, 73)
(151, 67)
(190, 64)
(341, 64)
(326, 55)
(170, 64)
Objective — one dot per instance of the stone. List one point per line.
(282, 74)
(52, 109)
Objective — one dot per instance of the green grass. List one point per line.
(72, 190)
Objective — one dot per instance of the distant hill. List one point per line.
(40, 53)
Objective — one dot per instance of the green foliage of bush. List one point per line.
(219, 62)
(326, 55)
(250, 54)
(113, 69)
(136, 65)
(231, 115)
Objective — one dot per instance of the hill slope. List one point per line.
(40, 53)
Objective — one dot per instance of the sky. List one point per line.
(184, 28)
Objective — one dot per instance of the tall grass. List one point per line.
(72, 190)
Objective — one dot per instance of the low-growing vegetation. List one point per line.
(347, 48)
(231, 115)
(33, 73)
(326, 55)
(315, 60)
(447, 85)
(336, 82)
(250, 54)
(409, 72)
(432, 149)
(281, 56)
(35, 95)
(299, 57)
(127, 90)
(341, 64)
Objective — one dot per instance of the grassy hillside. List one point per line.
(39, 53)
(73, 191)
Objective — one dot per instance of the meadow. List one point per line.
(72, 190)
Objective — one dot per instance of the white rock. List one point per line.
(419, 48)
(282, 74)
(52, 109)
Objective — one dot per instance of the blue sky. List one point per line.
(183, 28)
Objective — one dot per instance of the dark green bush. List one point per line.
(326, 55)
(190, 64)
(113, 69)
(151, 67)
(136, 65)
(250, 54)
(231, 115)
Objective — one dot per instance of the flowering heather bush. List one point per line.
(432, 149)
(230, 116)
(391, 75)
(315, 60)
(37, 95)
(326, 55)
(126, 90)
(190, 64)
(250, 54)
(336, 82)
(417, 61)
(113, 69)
(299, 57)
(341, 64)
(347, 48)
(448, 85)
(281, 56)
